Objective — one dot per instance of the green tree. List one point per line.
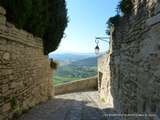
(18, 11)
(57, 24)
(38, 20)
(44, 18)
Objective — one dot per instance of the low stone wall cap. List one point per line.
(2, 11)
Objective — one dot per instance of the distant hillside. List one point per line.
(76, 70)
(92, 62)
(68, 58)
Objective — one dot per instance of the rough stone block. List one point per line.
(2, 117)
(2, 20)
(6, 56)
(153, 20)
(16, 84)
(2, 11)
(6, 107)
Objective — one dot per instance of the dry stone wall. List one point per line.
(24, 71)
(135, 61)
(104, 79)
(77, 86)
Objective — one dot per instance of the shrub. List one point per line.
(113, 21)
(43, 18)
(126, 6)
(13, 102)
(53, 64)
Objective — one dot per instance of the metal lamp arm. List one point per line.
(102, 39)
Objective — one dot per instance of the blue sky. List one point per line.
(87, 19)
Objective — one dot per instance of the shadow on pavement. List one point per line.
(66, 109)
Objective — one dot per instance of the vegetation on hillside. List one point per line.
(87, 62)
(75, 71)
(44, 18)
(69, 73)
(58, 80)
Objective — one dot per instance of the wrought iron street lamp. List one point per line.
(97, 49)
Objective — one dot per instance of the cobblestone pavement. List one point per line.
(74, 106)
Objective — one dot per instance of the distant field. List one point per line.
(73, 68)
(69, 73)
(60, 80)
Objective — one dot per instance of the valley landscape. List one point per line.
(74, 66)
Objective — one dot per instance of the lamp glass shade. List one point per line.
(97, 50)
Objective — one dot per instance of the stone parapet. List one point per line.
(77, 86)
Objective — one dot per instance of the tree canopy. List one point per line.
(44, 18)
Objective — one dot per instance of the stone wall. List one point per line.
(104, 79)
(24, 71)
(77, 86)
(135, 61)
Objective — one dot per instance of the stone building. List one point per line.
(132, 68)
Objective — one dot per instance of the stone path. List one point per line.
(74, 106)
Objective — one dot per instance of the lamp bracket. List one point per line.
(105, 39)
